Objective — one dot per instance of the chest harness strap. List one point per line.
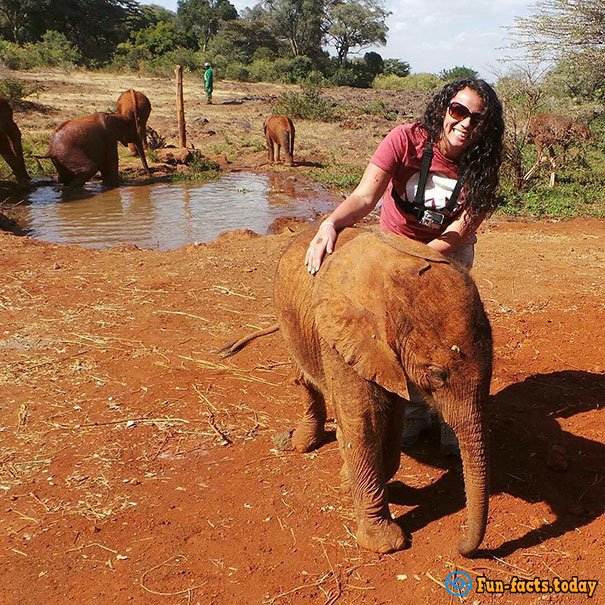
(434, 219)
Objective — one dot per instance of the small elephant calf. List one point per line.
(279, 130)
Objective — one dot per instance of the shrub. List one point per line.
(307, 105)
(163, 66)
(17, 90)
(237, 71)
(264, 70)
(56, 50)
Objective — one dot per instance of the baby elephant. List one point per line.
(10, 142)
(279, 130)
(135, 106)
(84, 146)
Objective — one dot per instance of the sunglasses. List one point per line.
(460, 112)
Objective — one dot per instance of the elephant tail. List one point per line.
(234, 347)
(135, 111)
(43, 157)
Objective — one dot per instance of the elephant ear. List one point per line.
(354, 314)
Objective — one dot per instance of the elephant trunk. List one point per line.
(469, 424)
(139, 145)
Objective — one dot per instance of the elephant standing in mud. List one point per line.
(279, 131)
(10, 143)
(82, 147)
(383, 312)
(135, 106)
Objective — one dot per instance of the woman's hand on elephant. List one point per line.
(322, 243)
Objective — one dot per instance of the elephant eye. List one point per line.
(437, 376)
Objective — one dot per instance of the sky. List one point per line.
(433, 35)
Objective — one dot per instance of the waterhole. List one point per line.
(169, 215)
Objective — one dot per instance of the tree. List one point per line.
(562, 27)
(17, 14)
(300, 22)
(356, 24)
(457, 73)
(202, 18)
(396, 67)
(568, 32)
(238, 40)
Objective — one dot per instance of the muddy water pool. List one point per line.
(169, 215)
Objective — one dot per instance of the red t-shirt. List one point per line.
(400, 154)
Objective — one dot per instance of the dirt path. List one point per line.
(136, 464)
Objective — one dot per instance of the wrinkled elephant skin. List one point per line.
(10, 143)
(382, 311)
(135, 106)
(279, 131)
(84, 146)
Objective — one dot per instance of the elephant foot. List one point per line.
(382, 536)
(307, 437)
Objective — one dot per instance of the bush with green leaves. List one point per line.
(264, 70)
(457, 73)
(53, 50)
(237, 71)
(396, 67)
(56, 50)
(16, 90)
(306, 105)
(163, 66)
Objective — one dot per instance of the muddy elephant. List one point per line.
(82, 147)
(383, 312)
(279, 131)
(135, 106)
(10, 143)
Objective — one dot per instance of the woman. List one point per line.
(459, 140)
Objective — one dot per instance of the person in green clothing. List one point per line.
(208, 81)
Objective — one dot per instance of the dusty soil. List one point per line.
(137, 466)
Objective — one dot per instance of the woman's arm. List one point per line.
(358, 205)
(456, 233)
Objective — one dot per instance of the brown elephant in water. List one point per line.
(135, 106)
(82, 147)
(279, 131)
(384, 311)
(10, 143)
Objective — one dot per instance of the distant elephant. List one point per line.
(279, 130)
(382, 312)
(137, 107)
(10, 143)
(84, 146)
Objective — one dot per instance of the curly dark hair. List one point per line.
(479, 165)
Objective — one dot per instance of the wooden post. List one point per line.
(180, 106)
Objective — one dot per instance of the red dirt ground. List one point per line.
(136, 466)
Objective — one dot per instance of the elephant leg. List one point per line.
(270, 151)
(345, 473)
(278, 152)
(392, 440)
(110, 172)
(309, 433)
(360, 409)
(133, 150)
(288, 151)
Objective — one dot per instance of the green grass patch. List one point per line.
(338, 176)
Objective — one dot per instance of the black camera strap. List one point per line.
(427, 158)
(417, 206)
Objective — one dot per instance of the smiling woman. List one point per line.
(438, 179)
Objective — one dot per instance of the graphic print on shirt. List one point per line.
(437, 192)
